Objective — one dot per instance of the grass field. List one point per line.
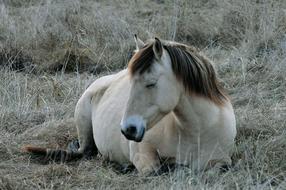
(51, 50)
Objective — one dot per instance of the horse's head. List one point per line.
(154, 92)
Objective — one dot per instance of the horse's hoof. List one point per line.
(127, 168)
(73, 146)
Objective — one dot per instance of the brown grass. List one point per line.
(59, 45)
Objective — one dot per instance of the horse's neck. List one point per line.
(194, 113)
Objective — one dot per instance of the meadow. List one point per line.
(51, 50)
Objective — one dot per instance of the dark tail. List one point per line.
(57, 155)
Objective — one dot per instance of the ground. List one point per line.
(50, 51)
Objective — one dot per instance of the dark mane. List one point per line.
(195, 71)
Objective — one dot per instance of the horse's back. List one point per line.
(106, 112)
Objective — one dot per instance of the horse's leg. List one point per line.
(84, 127)
(144, 157)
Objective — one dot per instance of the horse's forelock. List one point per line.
(194, 71)
(141, 60)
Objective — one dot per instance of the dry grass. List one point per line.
(59, 45)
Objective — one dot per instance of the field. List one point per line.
(51, 50)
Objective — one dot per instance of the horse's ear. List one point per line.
(139, 43)
(157, 48)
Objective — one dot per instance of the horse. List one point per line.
(167, 104)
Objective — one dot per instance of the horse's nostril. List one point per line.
(131, 130)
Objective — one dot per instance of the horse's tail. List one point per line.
(58, 155)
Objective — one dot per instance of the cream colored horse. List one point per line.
(167, 104)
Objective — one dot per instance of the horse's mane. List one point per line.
(190, 67)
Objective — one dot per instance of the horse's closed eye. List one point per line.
(152, 85)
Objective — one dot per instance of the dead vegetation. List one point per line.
(50, 51)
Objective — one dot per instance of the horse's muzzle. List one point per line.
(133, 128)
(132, 134)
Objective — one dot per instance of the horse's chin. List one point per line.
(134, 138)
(138, 140)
